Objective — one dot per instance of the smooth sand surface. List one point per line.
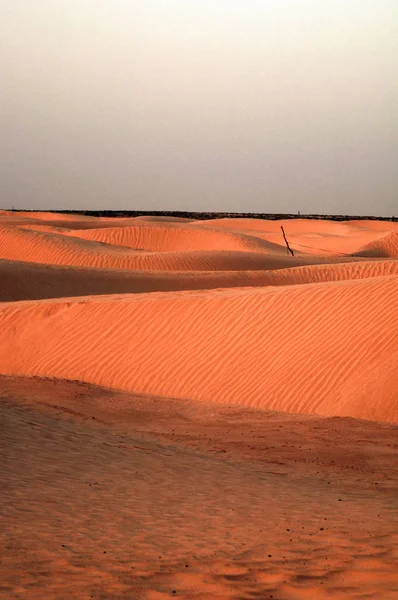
(247, 421)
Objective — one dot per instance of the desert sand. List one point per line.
(189, 411)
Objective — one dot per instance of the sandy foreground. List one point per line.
(186, 410)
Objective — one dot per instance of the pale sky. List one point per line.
(213, 105)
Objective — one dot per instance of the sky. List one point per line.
(200, 105)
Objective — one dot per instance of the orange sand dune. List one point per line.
(292, 225)
(43, 227)
(310, 237)
(244, 442)
(21, 280)
(317, 237)
(287, 333)
(44, 247)
(339, 242)
(171, 237)
(133, 234)
(106, 495)
(317, 244)
(43, 216)
(32, 281)
(161, 219)
(301, 225)
(60, 249)
(294, 349)
(375, 225)
(384, 246)
(48, 224)
(61, 221)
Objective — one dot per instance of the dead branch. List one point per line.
(286, 242)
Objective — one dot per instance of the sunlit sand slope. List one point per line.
(171, 236)
(51, 248)
(296, 349)
(384, 246)
(18, 243)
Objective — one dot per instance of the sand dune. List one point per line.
(108, 495)
(374, 225)
(61, 221)
(322, 238)
(243, 444)
(384, 246)
(172, 237)
(60, 249)
(210, 311)
(163, 219)
(284, 348)
(21, 280)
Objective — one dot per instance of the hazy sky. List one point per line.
(231, 105)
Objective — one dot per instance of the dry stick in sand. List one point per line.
(286, 242)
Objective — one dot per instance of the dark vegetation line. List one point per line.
(209, 215)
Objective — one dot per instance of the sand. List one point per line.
(177, 392)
